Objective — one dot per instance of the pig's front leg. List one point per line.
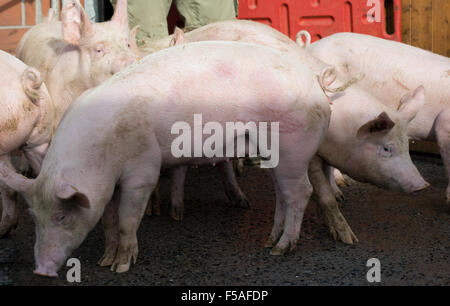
(138, 180)
(442, 132)
(110, 221)
(9, 207)
(324, 195)
(178, 177)
(232, 189)
(132, 204)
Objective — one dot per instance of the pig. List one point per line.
(359, 123)
(76, 54)
(26, 124)
(106, 155)
(392, 69)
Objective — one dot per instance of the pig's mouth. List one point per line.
(419, 190)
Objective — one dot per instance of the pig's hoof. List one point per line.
(343, 232)
(123, 259)
(344, 181)
(120, 268)
(270, 243)
(283, 248)
(107, 258)
(176, 213)
(348, 237)
(339, 195)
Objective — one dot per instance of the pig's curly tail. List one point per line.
(31, 83)
(307, 39)
(328, 76)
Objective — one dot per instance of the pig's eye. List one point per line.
(386, 151)
(61, 218)
(99, 50)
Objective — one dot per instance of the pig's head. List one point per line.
(369, 142)
(62, 215)
(105, 48)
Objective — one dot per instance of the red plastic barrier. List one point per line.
(325, 17)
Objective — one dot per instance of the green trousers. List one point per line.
(151, 15)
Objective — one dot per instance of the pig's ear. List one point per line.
(13, 180)
(178, 37)
(378, 126)
(120, 16)
(132, 39)
(69, 193)
(411, 104)
(75, 22)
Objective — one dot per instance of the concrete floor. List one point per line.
(218, 244)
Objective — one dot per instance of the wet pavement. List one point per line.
(218, 244)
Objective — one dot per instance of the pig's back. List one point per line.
(391, 68)
(224, 81)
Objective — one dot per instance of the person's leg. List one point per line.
(151, 16)
(197, 13)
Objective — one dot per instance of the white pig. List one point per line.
(393, 69)
(76, 54)
(366, 139)
(115, 138)
(26, 124)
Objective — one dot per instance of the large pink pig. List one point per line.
(359, 123)
(392, 70)
(114, 139)
(26, 124)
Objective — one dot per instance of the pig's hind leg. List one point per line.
(9, 206)
(293, 189)
(326, 199)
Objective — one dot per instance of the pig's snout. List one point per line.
(417, 190)
(48, 269)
